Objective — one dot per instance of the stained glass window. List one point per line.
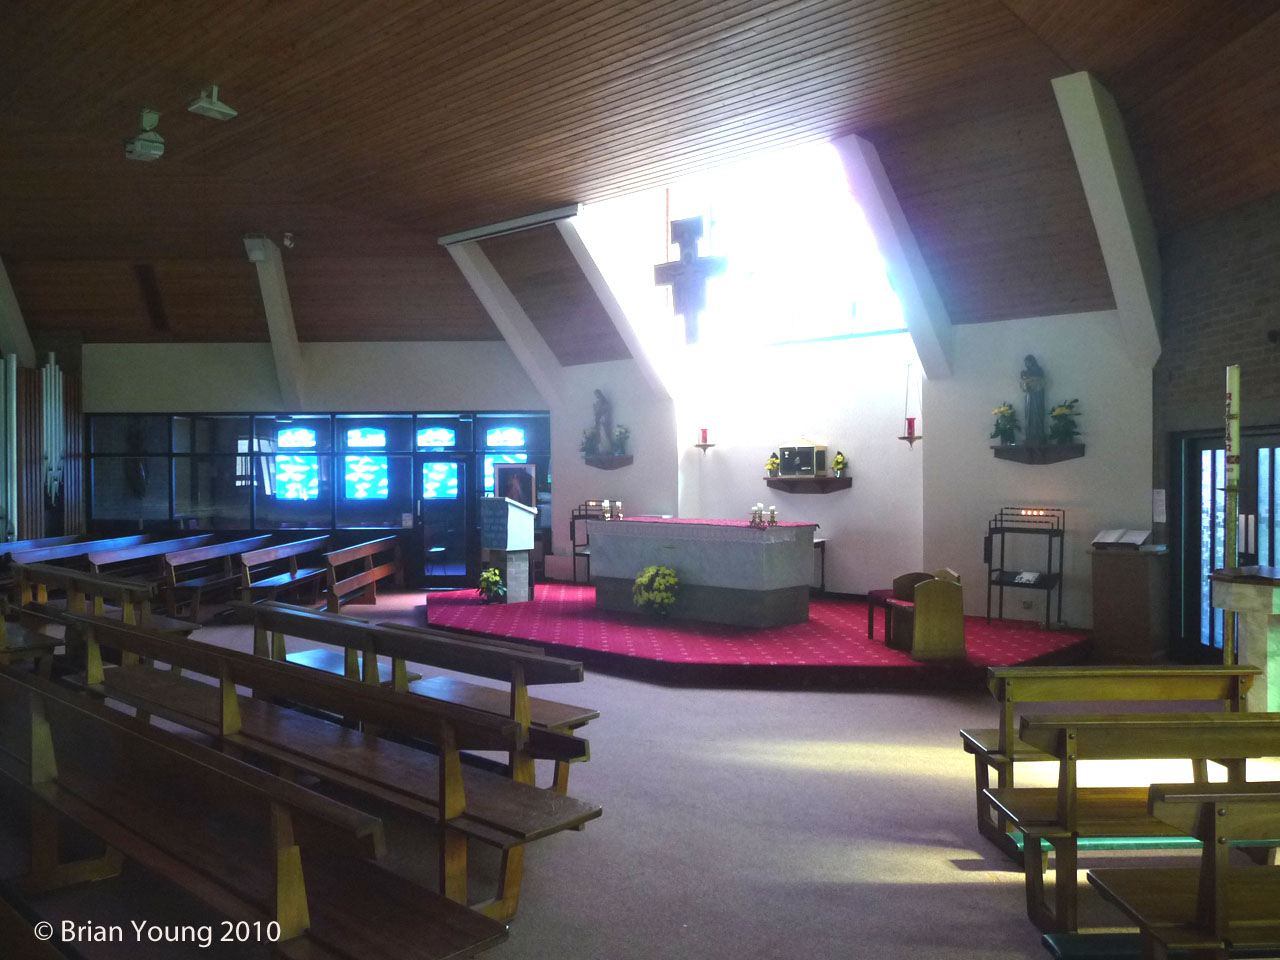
(437, 437)
(297, 475)
(505, 437)
(440, 481)
(493, 458)
(367, 437)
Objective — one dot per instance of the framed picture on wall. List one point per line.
(516, 481)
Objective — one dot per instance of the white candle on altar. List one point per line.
(773, 514)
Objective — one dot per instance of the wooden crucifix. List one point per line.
(688, 276)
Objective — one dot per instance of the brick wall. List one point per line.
(1221, 297)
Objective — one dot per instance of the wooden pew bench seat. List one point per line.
(156, 622)
(124, 780)
(1123, 946)
(499, 811)
(1166, 897)
(542, 713)
(335, 662)
(282, 581)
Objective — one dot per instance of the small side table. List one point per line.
(820, 544)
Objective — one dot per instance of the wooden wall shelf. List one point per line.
(610, 462)
(809, 484)
(1047, 453)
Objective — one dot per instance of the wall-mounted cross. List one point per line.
(688, 276)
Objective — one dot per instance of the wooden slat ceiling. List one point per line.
(369, 127)
(542, 274)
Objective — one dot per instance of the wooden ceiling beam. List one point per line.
(285, 350)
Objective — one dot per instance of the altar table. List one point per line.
(1253, 593)
(730, 572)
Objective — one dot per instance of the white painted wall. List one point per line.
(647, 486)
(356, 377)
(964, 485)
(845, 393)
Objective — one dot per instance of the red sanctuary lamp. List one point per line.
(910, 435)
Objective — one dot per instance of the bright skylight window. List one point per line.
(504, 437)
(803, 264)
(367, 437)
(437, 437)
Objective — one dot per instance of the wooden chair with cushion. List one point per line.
(930, 626)
(903, 589)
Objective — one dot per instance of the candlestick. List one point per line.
(773, 514)
(617, 509)
(608, 511)
(704, 435)
(911, 426)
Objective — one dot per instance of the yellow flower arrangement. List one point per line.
(1006, 424)
(1062, 422)
(772, 463)
(655, 589)
(840, 462)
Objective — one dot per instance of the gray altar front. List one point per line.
(729, 572)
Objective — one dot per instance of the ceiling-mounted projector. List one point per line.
(208, 105)
(147, 145)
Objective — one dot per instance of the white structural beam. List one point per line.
(591, 270)
(1118, 206)
(285, 349)
(926, 316)
(530, 350)
(14, 336)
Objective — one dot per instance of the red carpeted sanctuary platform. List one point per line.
(831, 647)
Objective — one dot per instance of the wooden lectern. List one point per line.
(506, 534)
(1253, 595)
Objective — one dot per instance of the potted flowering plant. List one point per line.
(772, 464)
(490, 587)
(621, 436)
(1006, 424)
(655, 589)
(1062, 422)
(840, 464)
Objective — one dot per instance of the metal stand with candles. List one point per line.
(1230, 558)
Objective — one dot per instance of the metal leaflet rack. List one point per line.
(1047, 522)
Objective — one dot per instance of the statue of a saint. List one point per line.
(1032, 382)
(602, 409)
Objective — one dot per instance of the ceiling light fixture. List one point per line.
(146, 145)
(208, 105)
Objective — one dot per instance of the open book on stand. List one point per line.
(1121, 539)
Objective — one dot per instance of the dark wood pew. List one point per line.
(998, 749)
(461, 800)
(361, 643)
(190, 574)
(1218, 908)
(342, 581)
(143, 561)
(74, 550)
(94, 593)
(1064, 815)
(264, 576)
(255, 847)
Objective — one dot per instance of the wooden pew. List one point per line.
(341, 586)
(1064, 815)
(1016, 688)
(1218, 908)
(88, 592)
(461, 800)
(361, 643)
(189, 574)
(74, 550)
(124, 561)
(262, 579)
(256, 847)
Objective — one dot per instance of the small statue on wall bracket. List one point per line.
(1032, 381)
(602, 409)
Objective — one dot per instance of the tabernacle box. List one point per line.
(505, 524)
(1120, 539)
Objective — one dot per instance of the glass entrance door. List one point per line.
(442, 520)
(1204, 523)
